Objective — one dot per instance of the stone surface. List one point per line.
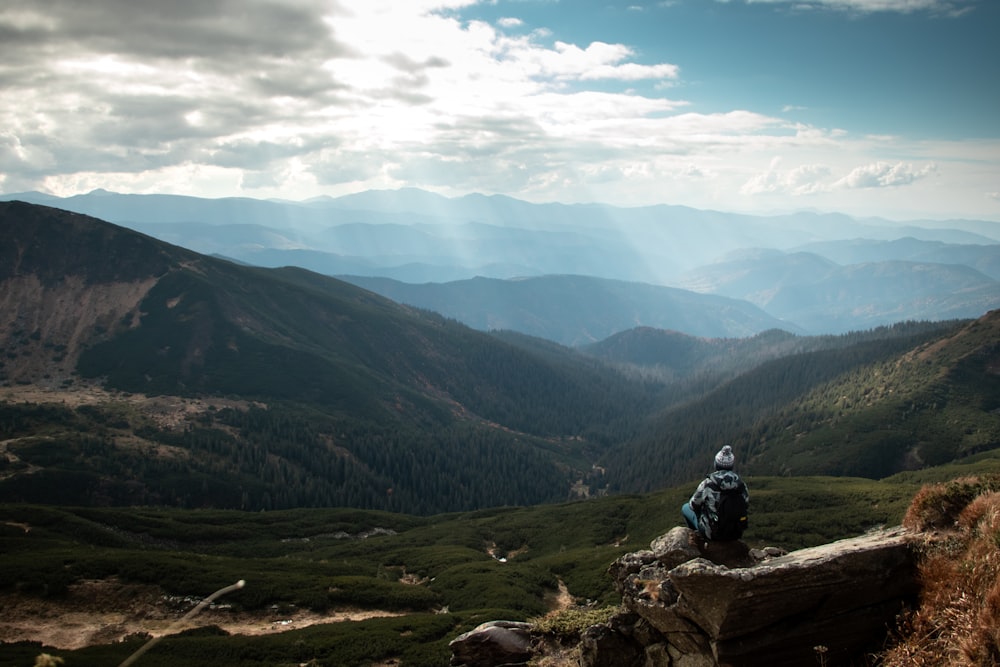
(493, 644)
(603, 646)
(682, 544)
(828, 577)
(657, 655)
(629, 564)
(843, 595)
(720, 603)
(679, 658)
(676, 547)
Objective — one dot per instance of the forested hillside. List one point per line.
(868, 409)
(675, 357)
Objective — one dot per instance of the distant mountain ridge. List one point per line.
(419, 237)
(686, 237)
(826, 297)
(577, 310)
(982, 257)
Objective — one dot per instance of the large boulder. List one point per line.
(683, 544)
(493, 644)
(776, 609)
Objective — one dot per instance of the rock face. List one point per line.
(765, 608)
(493, 644)
(695, 604)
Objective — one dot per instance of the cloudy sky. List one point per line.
(870, 107)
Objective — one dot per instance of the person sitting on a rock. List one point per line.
(718, 509)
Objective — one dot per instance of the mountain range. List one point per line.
(139, 372)
(578, 310)
(351, 398)
(467, 259)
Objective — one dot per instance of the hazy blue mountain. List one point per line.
(783, 229)
(784, 264)
(125, 209)
(985, 258)
(475, 245)
(861, 296)
(756, 274)
(652, 244)
(575, 310)
(824, 297)
(233, 240)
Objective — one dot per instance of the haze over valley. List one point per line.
(577, 274)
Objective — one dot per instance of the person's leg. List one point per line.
(689, 516)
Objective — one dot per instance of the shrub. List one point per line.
(371, 592)
(982, 514)
(569, 623)
(958, 620)
(939, 505)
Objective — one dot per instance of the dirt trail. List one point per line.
(105, 611)
(561, 600)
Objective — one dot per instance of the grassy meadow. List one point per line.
(444, 574)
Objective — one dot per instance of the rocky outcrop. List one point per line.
(695, 604)
(771, 609)
(493, 644)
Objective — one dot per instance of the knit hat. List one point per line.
(724, 460)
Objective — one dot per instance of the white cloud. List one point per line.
(884, 174)
(692, 171)
(811, 179)
(297, 98)
(255, 88)
(801, 180)
(597, 60)
(943, 7)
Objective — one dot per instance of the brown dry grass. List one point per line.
(938, 506)
(958, 620)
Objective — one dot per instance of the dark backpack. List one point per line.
(730, 518)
